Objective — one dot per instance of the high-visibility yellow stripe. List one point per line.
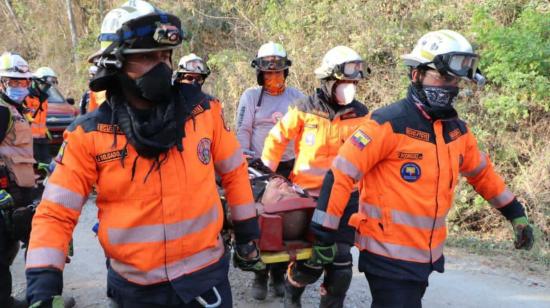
(283, 256)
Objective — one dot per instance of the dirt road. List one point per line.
(469, 280)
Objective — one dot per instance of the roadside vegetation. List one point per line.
(510, 115)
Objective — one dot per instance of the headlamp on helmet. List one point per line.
(167, 34)
(136, 27)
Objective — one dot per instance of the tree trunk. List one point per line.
(72, 26)
(101, 8)
(17, 25)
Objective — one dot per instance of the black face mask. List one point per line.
(440, 105)
(154, 86)
(441, 97)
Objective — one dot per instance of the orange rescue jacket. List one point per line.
(37, 113)
(407, 167)
(95, 100)
(161, 224)
(318, 132)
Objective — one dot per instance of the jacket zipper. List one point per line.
(436, 199)
(452, 171)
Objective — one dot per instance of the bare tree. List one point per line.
(16, 22)
(72, 26)
(101, 8)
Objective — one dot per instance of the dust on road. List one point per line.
(469, 280)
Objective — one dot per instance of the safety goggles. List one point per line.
(193, 78)
(350, 70)
(17, 83)
(49, 80)
(460, 64)
(195, 66)
(273, 63)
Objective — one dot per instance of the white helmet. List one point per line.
(193, 64)
(341, 63)
(14, 66)
(270, 49)
(44, 72)
(446, 51)
(137, 27)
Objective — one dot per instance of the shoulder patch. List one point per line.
(203, 150)
(360, 139)
(59, 157)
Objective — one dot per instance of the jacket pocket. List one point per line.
(22, 169)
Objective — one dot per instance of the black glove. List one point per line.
(242, 259)
(301, 274)
(524, 233)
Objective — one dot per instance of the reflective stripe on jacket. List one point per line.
(407, 167)
(318, 132)
(155, 224)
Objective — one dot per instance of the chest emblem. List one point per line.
(410, 172)
(203, 150)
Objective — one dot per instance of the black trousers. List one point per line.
(390, 293)
(224, 291)
(8, 247)
(41, 150)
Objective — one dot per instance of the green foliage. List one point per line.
(515, 58)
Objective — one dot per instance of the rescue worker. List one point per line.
(407, 158)
(319, 125)
(37, 102)
(91, 100)
(159, 210)
(259, 109)
(16, 167)
(262, 106)
(191, 69)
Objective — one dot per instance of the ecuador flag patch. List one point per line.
(360, 139)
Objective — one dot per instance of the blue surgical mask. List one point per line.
(17, 94)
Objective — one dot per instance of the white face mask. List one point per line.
(345, 92)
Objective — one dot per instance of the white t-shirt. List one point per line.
(254, 122)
